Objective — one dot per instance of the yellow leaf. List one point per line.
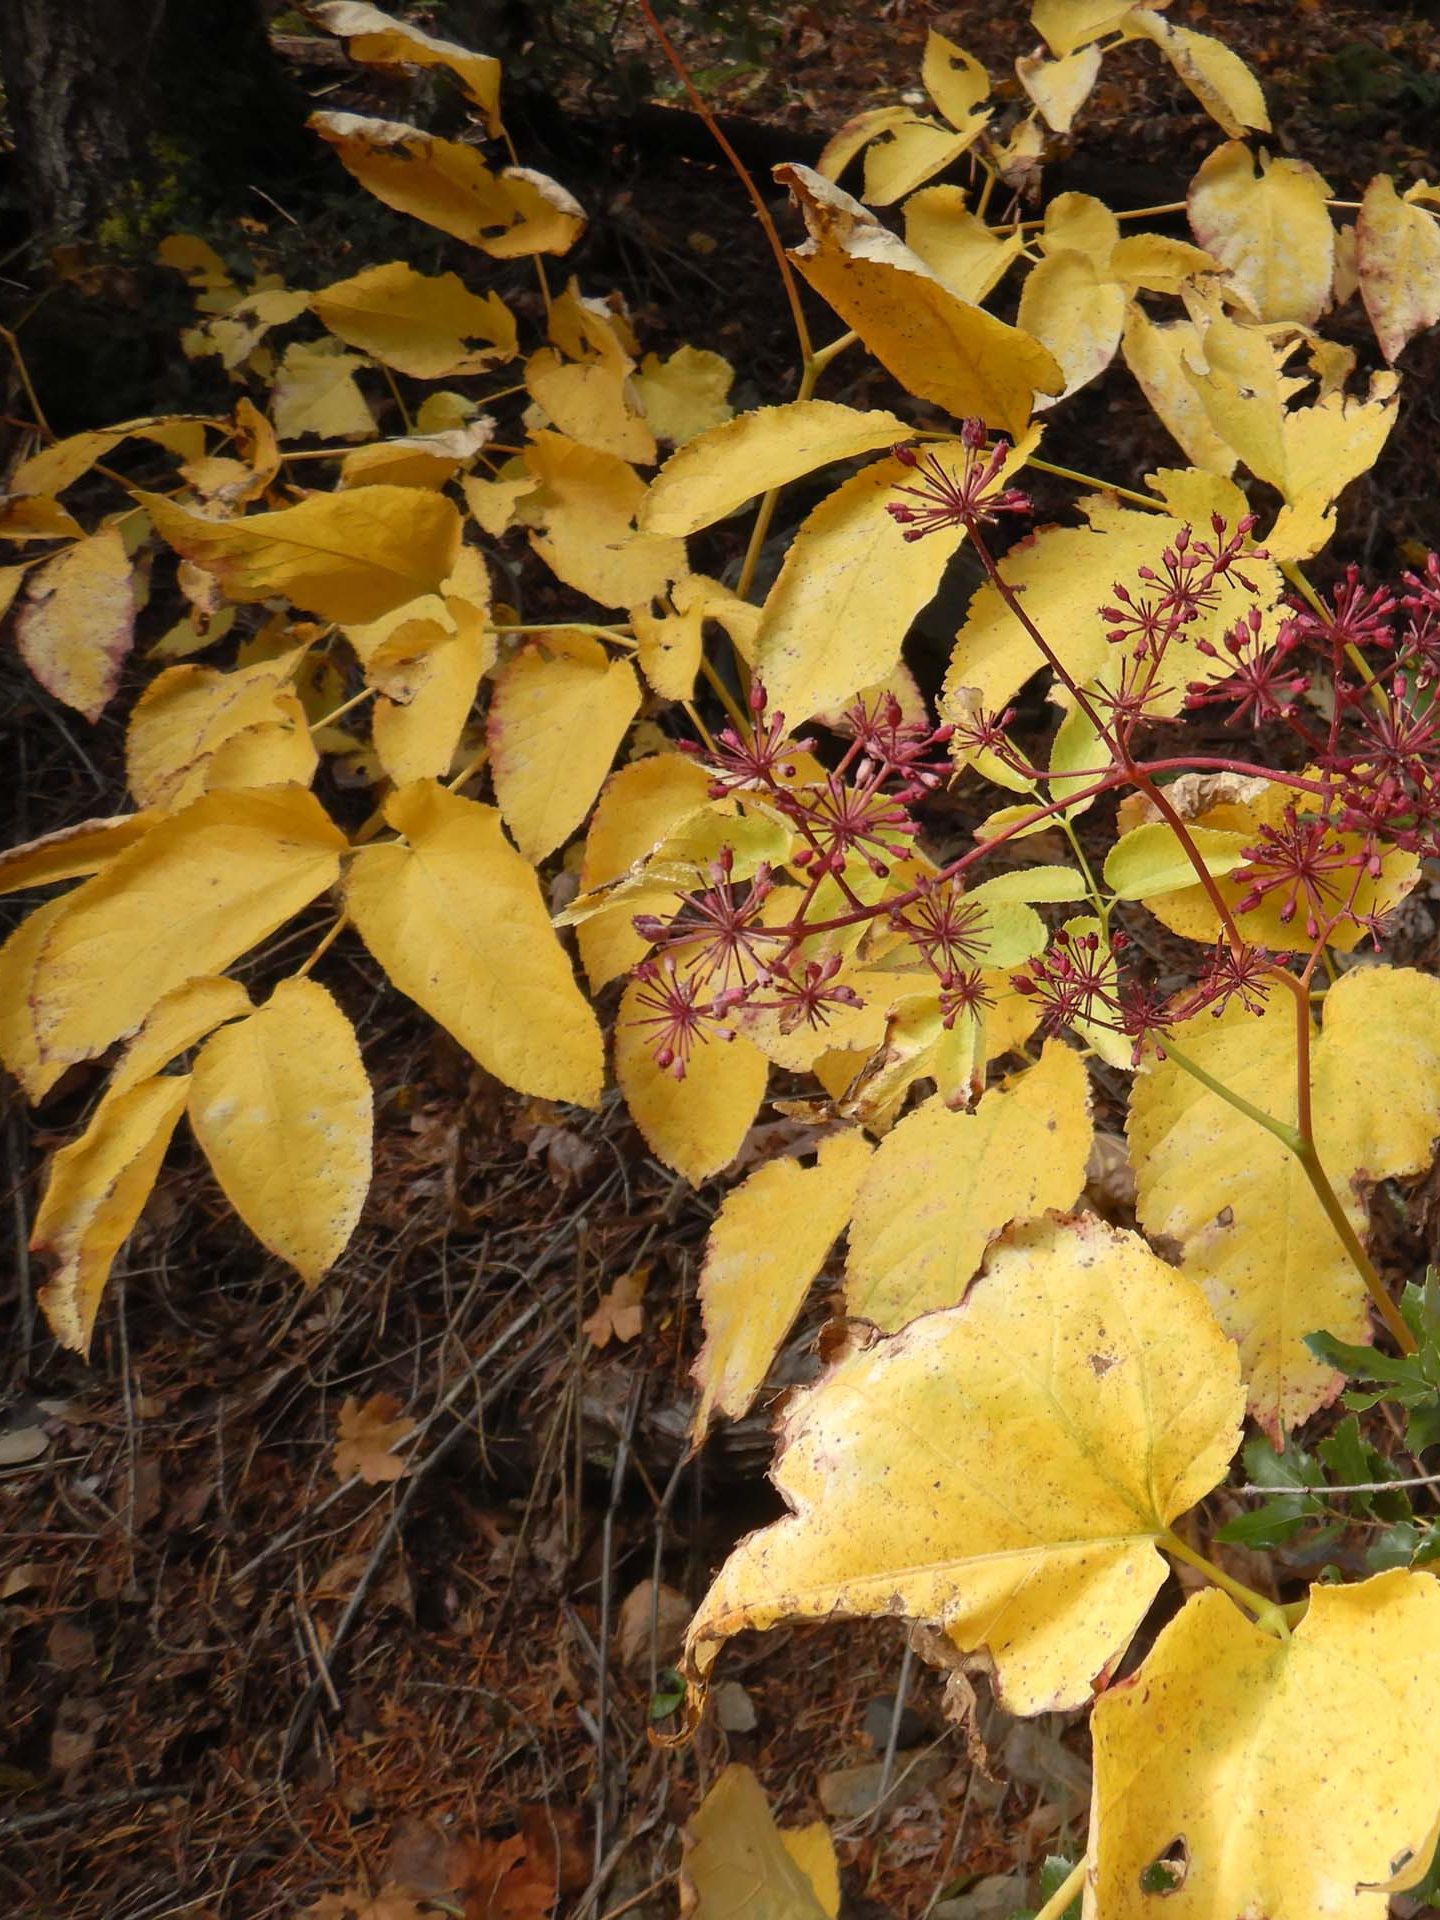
(183, 718)
(937, 346)
(71, 852)
(446, 184)
(366, 1438)
(1295, 1772)
(1236, 1201)
(377, 40)
(850, 587)
(492, 503)
(422, 324)
(720, 470)
(234, 483)
(1094, 1372)
(1148, 863)
(669, 642)
(963, 253)
(695, 1125)
(201, 888)
(620, 1314)
(416, 460)
(1061, 87)
(455, 917)
(77, 621)
(953, 78)
(919, 1046)
(586, 507)
(59, 466)
(1155, 261)
(1270, 229)
(349, 557)
(175, 1024)
(315, 392)
(417, 741)
(19, 1042)
(557, 716)
(943, 1184)
(280, 1103)
(1065, 576)
(1159, 356)
(854, 135)
(813, 1851)
(736, 1865)
(37, 516)
(590, 402)
(1065, 25)
(768, 1243)
(1079, 315)
(911, 151)
(637, 809)
(1218, 78)
(1397, 258)
(278, 753)
(96, 1190)
(1079, 223)
(684, 395)
(236, 333)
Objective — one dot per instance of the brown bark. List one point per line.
(114, 103)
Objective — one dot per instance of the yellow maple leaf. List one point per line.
(1237, 1202)
(455, 917)
(281, 1105)
(1291, 1777)
(767, 1244)
(1094, 1372)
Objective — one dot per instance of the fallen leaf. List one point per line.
(620, 1315)
(368, 1435)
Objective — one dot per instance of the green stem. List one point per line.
(1069, 1887)
(1320, 1185)
(1268, 1613)
(1288, 1136)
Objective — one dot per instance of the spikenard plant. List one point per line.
(1027, 1402)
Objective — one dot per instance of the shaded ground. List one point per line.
(235, 1681)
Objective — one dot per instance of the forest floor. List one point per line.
(245, 1673)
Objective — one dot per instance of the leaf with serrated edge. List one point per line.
(455, 917)
(1303, 1781)
(1397, 256)
(280, 1103)
(769, 1241)
(1237, 1203)
(421, 324)
(1094, 1372)
(71, 853)
(201, 888)
(97, 1187)
(694, 1125)
(943, 1184)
